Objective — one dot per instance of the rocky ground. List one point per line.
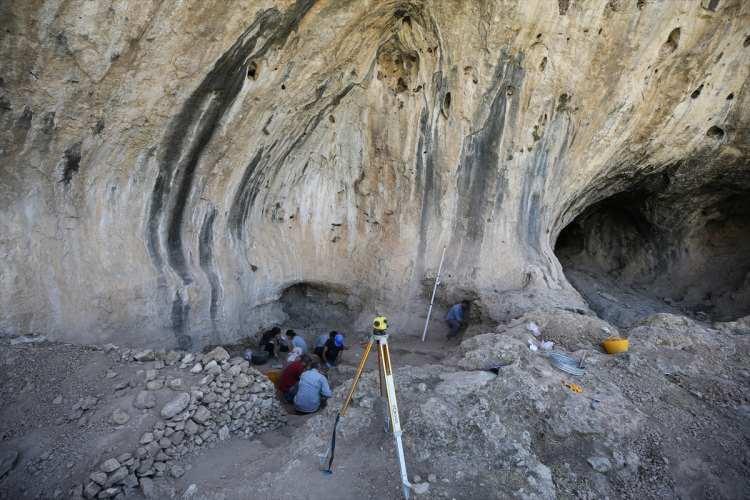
(668, 419)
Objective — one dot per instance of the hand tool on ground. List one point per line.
(387, 389)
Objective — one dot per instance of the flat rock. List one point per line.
(119, 417)
(176, 384)
(98, 477)
(176, 405)
(109, 465)
(145, 355)
(145, 400)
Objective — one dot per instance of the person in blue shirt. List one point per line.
(457, 318)
(296, 341)
(312, 391)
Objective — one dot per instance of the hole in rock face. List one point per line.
(318, 307)
(252, 71)
(673, 41)
(446, 108)
(697, 92)
(645, 251)
(715, 133)
(730, 97)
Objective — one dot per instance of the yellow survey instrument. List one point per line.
(387, 391)
(380, 323)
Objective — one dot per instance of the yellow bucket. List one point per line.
(614, 345)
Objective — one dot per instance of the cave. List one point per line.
(317, 308)
(645, 250)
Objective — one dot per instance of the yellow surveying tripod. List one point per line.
(387, 389)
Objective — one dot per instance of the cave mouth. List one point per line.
(640, 252)
(317, 308)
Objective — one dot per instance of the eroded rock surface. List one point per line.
(169, 169)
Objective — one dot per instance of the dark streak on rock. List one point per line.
(24, 121)
(180, 316)
(48, 122)
(205, 253)
(202, 113)
(71, 163)
(241, 204)
(255, 173)
(481, 174)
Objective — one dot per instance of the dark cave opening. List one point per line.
(318, 308)
(640, 252)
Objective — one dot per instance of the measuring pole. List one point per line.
(432, 300)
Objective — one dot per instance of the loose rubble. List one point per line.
(232, 399)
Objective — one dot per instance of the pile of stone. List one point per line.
(230, 398)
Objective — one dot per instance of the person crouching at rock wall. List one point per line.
(457, 318)
(313, 391)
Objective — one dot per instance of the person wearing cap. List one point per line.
(296, 341)
(331, 354)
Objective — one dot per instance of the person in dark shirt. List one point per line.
(457, 318)
(331, 352)
(269, 342)
(290, 377)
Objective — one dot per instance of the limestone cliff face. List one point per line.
(169, 170)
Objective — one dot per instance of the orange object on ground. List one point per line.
(614, 345)
(273, 376)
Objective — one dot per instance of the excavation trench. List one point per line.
(649, 250)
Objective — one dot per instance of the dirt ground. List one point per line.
(671, 419)
(57, 449)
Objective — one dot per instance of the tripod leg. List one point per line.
(383, 396)
(393, 407)
(357, 376)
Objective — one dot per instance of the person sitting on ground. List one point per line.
(312, 391)
(457, 318)
(296, 341)
(290, 376)
(269, 342)
(331, 352)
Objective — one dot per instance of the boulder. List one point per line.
(219, 354)
(109, 465)
(202, 414)
(176, 405)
